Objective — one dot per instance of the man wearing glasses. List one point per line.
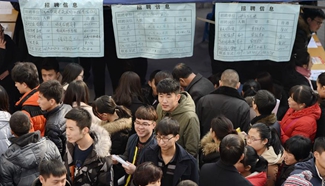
(174, 161)
(310, 20)
(144, 125)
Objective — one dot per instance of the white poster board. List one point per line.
(63, 28)
(154, 31)
(252, 31)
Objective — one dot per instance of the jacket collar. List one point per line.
(26, 139)
(226, 166)
(267, 119)
(208, 144)
(196, 79)
(49, 113)
(228, 91)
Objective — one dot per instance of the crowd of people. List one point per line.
(181, 129)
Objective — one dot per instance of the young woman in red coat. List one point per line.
(302, 115)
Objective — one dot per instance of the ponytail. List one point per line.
(261, 165)
(123, 112)
(275, 141)
(252, 159)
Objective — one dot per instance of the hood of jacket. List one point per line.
(4, 119)
(32, 100)
(186, 104)
(257, 178)
(228, 91)
(117, 125)
(28, 146)
(101, 146)
(271, 157)
(102, 140)
(208, 145)
(266, 119)
(313, 111)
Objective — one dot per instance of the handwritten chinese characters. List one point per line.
(63, 28)
(154, 30)
(255, 31)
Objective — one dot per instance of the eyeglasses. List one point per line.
(164, 139)
(318, 22)
(251, 138)
(144, 124)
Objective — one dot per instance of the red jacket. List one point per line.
(302, 122)
(258, 179)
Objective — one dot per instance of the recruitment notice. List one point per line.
(255, 31)
(154, 31)
(63, 28)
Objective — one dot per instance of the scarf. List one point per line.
(303, 71)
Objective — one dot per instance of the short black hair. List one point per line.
(215, 78)
(265, 102)
(20, 123)
(319, 145)
(181, 70)
(168, 85)
(25, 72)
(312, 13)
(153, 74)
(252, 159)
(146, 173)
(52, 167)
(50, 63)
(52, 89)
(167, 126)
(250, 87)
(231, 149)
(299, 146)
(81, 116)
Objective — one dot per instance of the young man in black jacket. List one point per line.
(144, 125)
(175, 162)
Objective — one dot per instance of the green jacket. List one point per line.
(189, 123)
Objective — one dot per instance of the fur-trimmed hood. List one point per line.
(266, 119)
(117, 125)
(102, 140)
(208, 145)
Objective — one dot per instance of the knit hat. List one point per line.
(301, 179)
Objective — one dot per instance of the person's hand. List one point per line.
(130, 168)
(2, 43)
(4, 75)
(114, 161)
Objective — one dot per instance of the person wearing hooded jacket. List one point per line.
(19, 164)
(5, 132)
(87, 158)
(179, 106)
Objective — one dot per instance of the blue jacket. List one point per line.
(186, 166)
(308, 165)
